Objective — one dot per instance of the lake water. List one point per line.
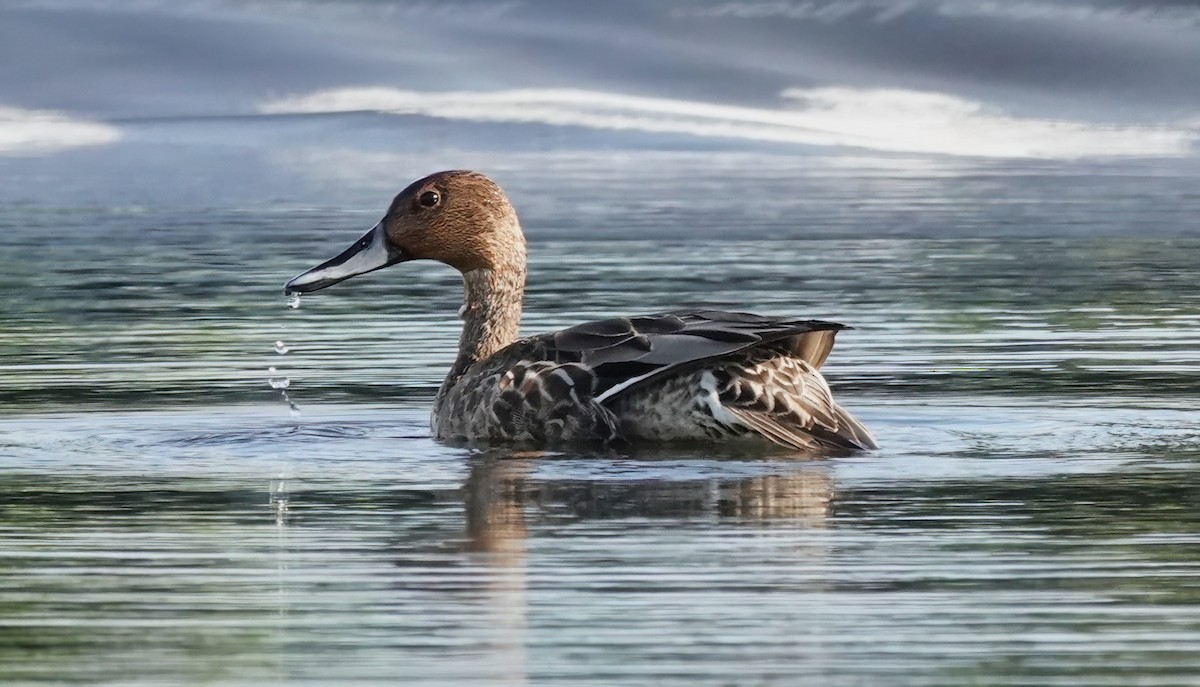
(1026, 349)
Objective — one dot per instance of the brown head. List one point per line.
(460, 218)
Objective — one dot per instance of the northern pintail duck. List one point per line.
(673, 376)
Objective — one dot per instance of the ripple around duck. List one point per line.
(247, 436)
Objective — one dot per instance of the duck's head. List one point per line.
(460, 218)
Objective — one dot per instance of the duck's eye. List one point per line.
(429, 199)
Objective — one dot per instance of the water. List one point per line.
(1025, 349)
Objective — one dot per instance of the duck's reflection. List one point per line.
(797, 496)
(504, 494)
(494, 500)
(500, 490)
(494, 503)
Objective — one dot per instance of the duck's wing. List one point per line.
(786, 400)
(626, 353)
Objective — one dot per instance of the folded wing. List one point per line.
(628, 352)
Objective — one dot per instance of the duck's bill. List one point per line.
(372, 252)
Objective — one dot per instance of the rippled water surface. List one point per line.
(1026, 348)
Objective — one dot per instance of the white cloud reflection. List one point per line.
(886, 120)
(831, 11)
(36, 132)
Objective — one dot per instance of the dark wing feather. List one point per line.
(627, 352)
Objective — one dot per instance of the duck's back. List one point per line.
(690, 375)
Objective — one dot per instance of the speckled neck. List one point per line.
(491, 313)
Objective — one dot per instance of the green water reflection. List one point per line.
(1025, 347)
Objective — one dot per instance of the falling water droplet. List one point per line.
(282, 382)
(279, 501)
(277, 382)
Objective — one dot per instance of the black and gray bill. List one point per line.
(372, 252)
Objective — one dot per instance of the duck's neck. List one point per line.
(491, 313)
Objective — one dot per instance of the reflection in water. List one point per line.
(493, 496)
(499, 490)
(502, 492)
(802, 496)
(437, 567)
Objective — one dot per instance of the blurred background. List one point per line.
(199, 103)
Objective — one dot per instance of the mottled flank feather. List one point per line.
(551, 402)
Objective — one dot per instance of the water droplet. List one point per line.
(281, 347)
(294, 301)
(277, 382)
(279, 501)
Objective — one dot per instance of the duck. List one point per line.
(674, 376)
